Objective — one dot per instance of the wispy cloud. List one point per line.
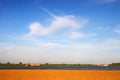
(37, 29)
(109, 44)
(51, 52)
(103, 1)
(68, 22)
(117, 31)
(77, 35)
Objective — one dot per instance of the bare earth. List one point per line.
(59, 74)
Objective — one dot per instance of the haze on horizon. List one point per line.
(60, 31)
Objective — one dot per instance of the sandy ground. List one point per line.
(59, 74)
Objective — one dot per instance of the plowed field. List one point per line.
(59, 74)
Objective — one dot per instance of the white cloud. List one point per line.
(67, 22)
(109, 44)
(36, 28)
(117, 31)
(64, 21)
(77, 35)
(49, 44)
(62, 53)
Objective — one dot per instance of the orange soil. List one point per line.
(59, 74)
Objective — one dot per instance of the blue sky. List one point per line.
(60, 31)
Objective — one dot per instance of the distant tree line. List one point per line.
(12, 64)
(114, 64)
(47, 64)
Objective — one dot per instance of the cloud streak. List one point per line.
(36, 28)
(117, 31)
(77, 35)
(57, 23)
(60, 53)
(103, 1)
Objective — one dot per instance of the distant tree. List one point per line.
(8, 63)
(63, 64)
(46, 63)
(20, 63)
(114, 64)
(28, 64)
(79, 64)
